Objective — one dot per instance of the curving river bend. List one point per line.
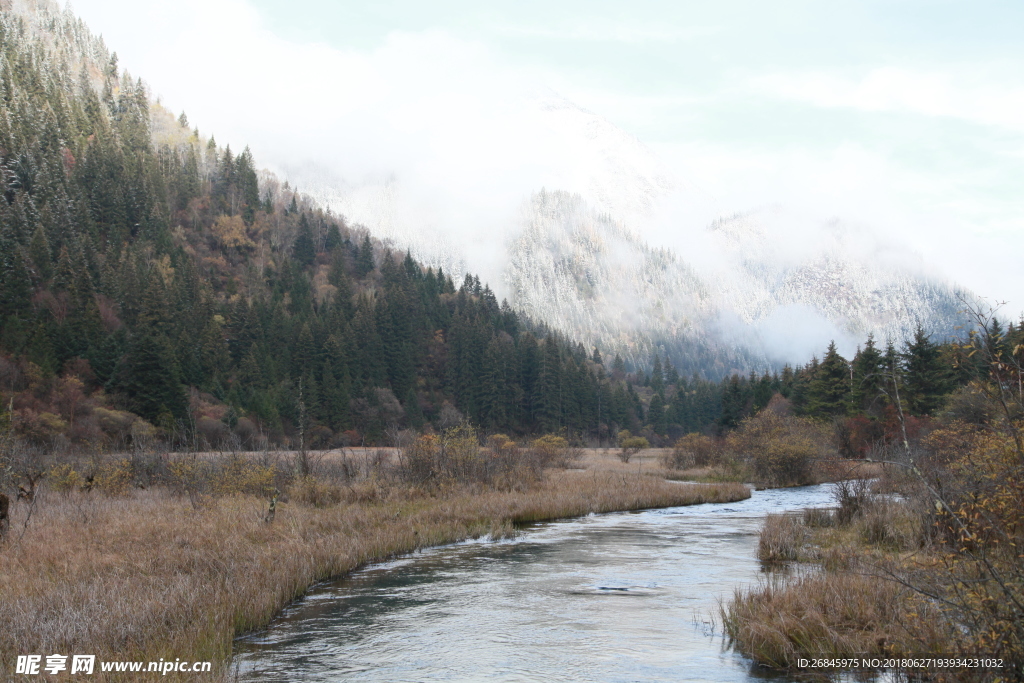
(614, 597)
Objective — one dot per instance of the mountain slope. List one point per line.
(153, 283)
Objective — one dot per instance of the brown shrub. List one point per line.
(781, 449)
(315, 492)
(694, 450)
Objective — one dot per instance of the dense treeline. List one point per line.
(148, 271)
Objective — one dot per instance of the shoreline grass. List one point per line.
(844, 587)
(148, 574)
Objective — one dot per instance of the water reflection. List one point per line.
(618, 597)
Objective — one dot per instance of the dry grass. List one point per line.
(782, 539)
(149, 574)
(831, 615)
(847, 604)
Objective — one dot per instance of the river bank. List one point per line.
(153, 573)
(888, 573)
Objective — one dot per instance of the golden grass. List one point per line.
(782, 538)
(849, 603)
(831, 615)
(148, 575)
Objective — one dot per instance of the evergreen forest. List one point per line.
(154, 283)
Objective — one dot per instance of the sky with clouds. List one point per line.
(903, 115)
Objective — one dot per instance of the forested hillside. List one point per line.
(147, 271)
(154, 283)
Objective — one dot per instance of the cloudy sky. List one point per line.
(904, 116)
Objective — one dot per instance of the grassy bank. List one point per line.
(837, 585)
(152, 573)
(915, 574)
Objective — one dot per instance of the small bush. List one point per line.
(240, 475)
(782, 538)
(853, 497)
(781, 449)
(890, 526)
(630, 445)
(64, 479)
(548, 449)
(115, 476)
(694, 450)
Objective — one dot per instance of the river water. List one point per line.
(613, 597)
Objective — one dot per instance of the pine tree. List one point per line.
(657, 376)
(829, 389)
(364, 259)
(656, 415)
(304, 249)
(147, 376)
(867, 393)
(733, 403)
(926, 379)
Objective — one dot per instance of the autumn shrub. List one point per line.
(891, 526)
(238, 474)
(63, 478)
(508, 466)
(832, 615)
(552, 450)
(451, 456)
(781, 449)
(39, 427)
(978, 528)
(548, 448)
(819, 518)
(630, 445)
(316, 492)
(114, 476)
(694, 450)
(852, 497)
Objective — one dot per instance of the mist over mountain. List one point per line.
(616, 257)
(613, 250)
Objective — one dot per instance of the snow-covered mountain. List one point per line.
(764, 301)
(748, 291)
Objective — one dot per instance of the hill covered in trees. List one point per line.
(148, 272)
(153, 281)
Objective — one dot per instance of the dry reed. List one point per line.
(831, 615)
(782, 539)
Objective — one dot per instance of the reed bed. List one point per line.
(151, 574)
(782, 539)
(853, 596)
(831, 615)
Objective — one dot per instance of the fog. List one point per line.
(436, 140)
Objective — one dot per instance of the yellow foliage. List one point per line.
(164, 269)
(231, 233)
(114, 422)
(240, 475)
(64, 478)
(695, 450)
(780, 448)
(115, 477)
(549, 449)
(39, 427)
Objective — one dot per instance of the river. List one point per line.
(613, 597)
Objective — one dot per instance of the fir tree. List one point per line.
(926, 380)
(829, 388)
(305, 248)
(867, 393)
